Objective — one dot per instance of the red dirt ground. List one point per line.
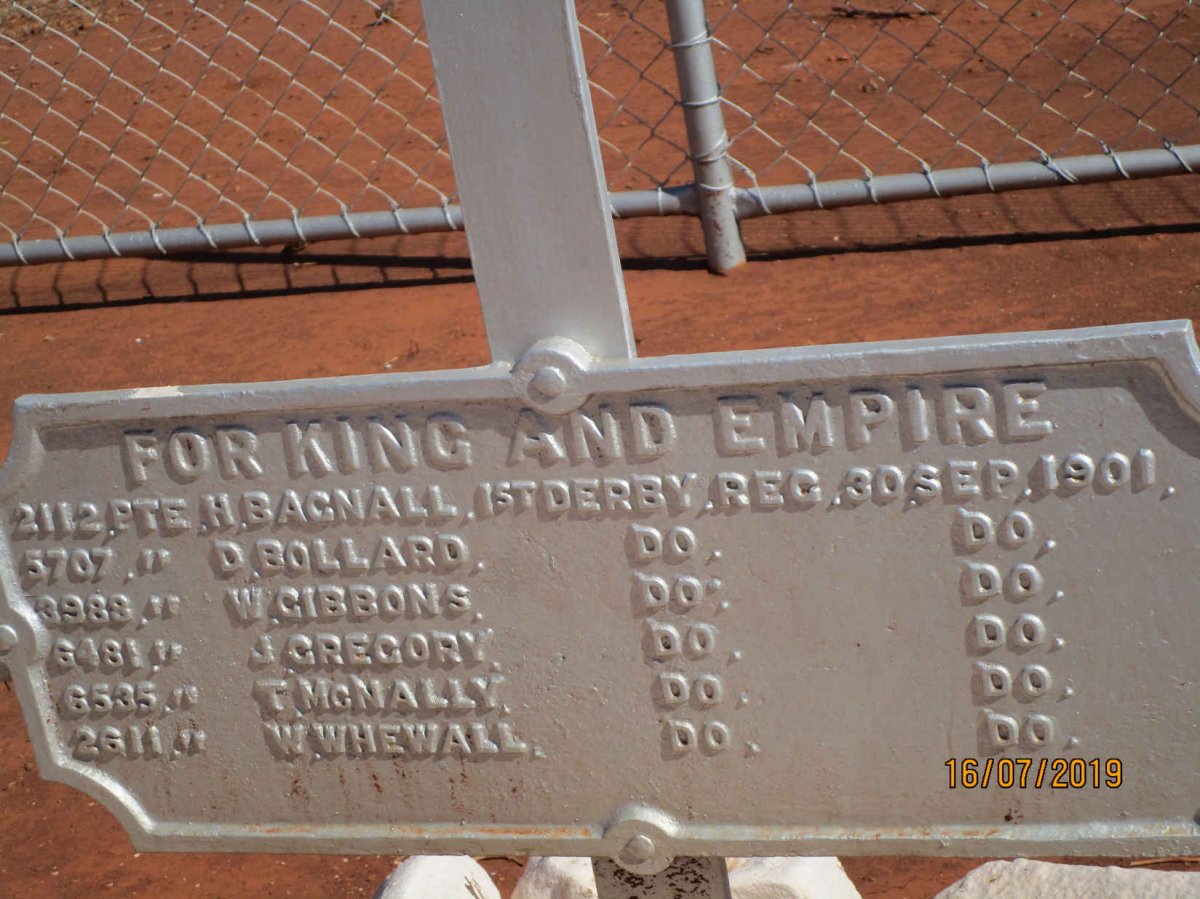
(1077, 257)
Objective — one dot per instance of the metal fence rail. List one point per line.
(132, 128)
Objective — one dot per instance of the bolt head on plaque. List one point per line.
(548, 382)
(550, 376)
(642, 835)
(639, 849)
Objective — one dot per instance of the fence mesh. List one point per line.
(820, 90)
(117, 115)
(127, 116)
(627, 52)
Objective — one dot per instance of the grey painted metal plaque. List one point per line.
(922, 597)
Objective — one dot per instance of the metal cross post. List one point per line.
(531, 184)
(527, 163)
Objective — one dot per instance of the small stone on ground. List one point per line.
(438, 877)
(1022, 877)
(556, 877)
(818, 877)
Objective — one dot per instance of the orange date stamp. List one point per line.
(1037, 774)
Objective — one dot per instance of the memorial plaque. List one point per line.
(923, 597)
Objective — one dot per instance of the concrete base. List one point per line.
(440, 876)
(749, 878)
(1022, 877)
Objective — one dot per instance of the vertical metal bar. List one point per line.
(687, 878)
(526, 160)
(700, 96)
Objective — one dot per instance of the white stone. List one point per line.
(438, 877)
(749, 878)
(556, 877)
(818, 877)
(1022, 877)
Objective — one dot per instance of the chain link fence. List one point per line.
(817, 91)
(121, 116)
(132, 128)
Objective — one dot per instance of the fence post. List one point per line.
(700, 96)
